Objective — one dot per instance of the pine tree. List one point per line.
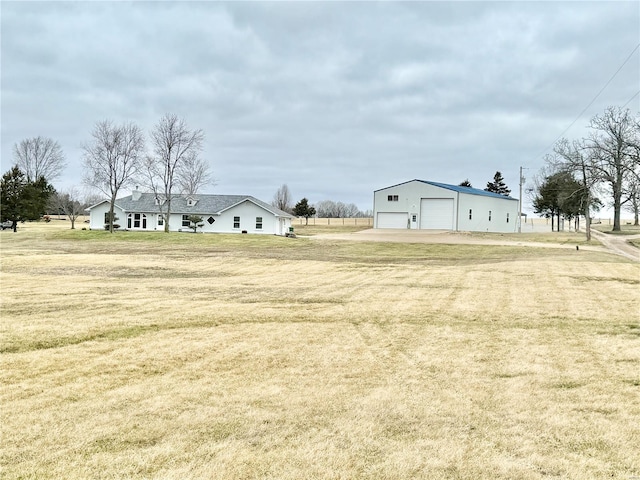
(465, 183)
(303, 209)
(21, 199)
(498, 185)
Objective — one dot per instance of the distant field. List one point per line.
(177, 356)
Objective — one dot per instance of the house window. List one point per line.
(236, 222)
(489, 215)
(106, 218)
(185, 221)
(470, 214)
(160, 220)
(392, 198)
(138, 220)
(507, 218)
(258, 223)
(211, 220)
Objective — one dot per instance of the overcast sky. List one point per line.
(335, 99)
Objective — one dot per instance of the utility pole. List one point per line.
(520, 203)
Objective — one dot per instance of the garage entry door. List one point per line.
(436, 213)
(392, 220)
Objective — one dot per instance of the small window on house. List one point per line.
(507, 218)
(470, 214)
(236, 222)
(258, 223)
(185, 221)
(160, 220)
(211, 220)
(106, 217)
(392, 198)
(414, 218)
(489, 215)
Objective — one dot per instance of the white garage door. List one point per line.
(436, 213)
(392, 220)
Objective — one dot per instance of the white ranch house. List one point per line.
(220, 214)
(424, 205)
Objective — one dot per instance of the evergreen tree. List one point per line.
(465, 183)
(22, 200)
(303, 209)
(498, 185)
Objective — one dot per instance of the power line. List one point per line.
(629, 101)
(594, 99)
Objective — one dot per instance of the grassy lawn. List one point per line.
(307, 230)
(177, 356)
(625, 229)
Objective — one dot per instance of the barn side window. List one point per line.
(236, 222)
(470, 214)
(392, 198)
(160, 220)
(507, 218)
(489, 215)
(258, 223)
(185, 221)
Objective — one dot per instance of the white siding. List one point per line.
(480, 206)
(96, 216)
(224, 223)
(443, 208)
(409, 195)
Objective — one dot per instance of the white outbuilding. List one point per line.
(425, 205)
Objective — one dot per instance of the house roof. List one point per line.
(457, 188)
(204, 204)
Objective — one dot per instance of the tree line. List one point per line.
(606, 163)
(116, 155)
(282, 200)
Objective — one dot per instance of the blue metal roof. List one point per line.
(457, 188)
(468, 190)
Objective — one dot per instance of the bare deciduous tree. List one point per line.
(632, 193)
(39, 157)
(194, 174)
(69, 203)
(112, 159)
(575, 159)
(174, 148)
(282, 198)
(612, 148)
(331, 209)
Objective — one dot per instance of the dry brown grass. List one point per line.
(212, 356)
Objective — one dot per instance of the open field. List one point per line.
(147, 355)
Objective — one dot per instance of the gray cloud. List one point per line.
(335, 99)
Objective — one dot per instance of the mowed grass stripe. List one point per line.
(315, 360)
